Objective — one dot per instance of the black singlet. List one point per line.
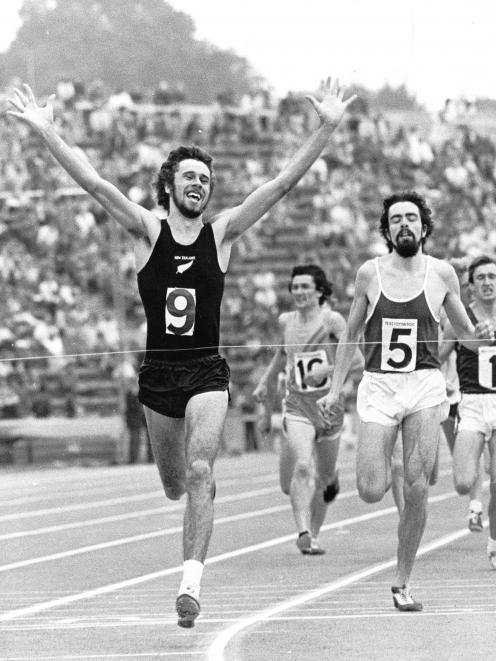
(181, 287)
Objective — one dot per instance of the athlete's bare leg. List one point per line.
(449, 426)
(300, 440)
(326, 451)
(167, 438)
(420, 445)
(397, 474)
(492, 488)
(205, 416)
(468, 449)
(375, 447)
(185, 451)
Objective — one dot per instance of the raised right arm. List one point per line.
(136, 219)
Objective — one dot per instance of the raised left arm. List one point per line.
(330, 111)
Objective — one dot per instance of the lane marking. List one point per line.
(172, 621)
(127, 486)
(131, 515)
(121, 541)
(158, 533)
(123, 500)
(136, 655)
(137, 580)
(216, 649)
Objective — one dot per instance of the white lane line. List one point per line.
(52, 478)
(74, 493)
(128, 486)
(137, 580)
(159, 533)
(216, 649)
(135, 538)
(131, 515)
(136, 655)
(172, 621)
(69, 553)
(108, 502)
(83, 506)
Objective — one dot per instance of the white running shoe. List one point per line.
(404, 601)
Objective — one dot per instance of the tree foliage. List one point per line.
(129, 44)
(388, 98)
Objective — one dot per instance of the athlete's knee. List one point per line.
(463, 483)
(304, 469)
(175, 492)
(199, 473)
(369, 489)
(416, 492)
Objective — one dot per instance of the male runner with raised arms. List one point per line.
(181, 263)
(477, 408)
(309, 449)
(398, 299)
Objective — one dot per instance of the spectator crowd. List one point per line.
(68, 287)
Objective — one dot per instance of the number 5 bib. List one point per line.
(399, 345)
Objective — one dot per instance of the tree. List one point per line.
(129, 44)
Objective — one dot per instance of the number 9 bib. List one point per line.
(180, 309)
(399, 345)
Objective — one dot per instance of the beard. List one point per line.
(406, 245)
(191, 214)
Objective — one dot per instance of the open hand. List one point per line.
(28, 110)
(331, 109)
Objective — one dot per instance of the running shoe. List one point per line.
(403, 600)
(188, 609)
(304, 541)
(492, 559)
(314, 549)
(475, 521)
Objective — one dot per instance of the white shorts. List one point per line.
(478, 414)
(387, 398)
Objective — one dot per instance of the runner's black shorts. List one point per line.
(166, 387)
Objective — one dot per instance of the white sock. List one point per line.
(475, 506)
(491, 545)
(192, 575)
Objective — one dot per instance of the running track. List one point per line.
(90, 563)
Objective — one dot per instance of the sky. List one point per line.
(437, 48)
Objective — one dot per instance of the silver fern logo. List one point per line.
(184, 267)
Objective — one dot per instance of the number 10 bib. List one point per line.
(399, 345)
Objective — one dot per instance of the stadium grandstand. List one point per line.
(72, 330)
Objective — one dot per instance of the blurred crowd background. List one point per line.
(72, 331)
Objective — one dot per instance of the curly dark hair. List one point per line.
(482, 260)
(322, 284)
(405, 196)
(169, 167)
